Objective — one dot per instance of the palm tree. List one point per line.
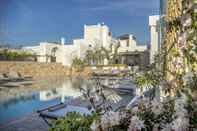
(89, 57)
(115, 53)
(106, 53)
(99, 54)
(78, 64)
(111, 54)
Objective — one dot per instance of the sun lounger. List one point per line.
(119, 89)
(60, 110)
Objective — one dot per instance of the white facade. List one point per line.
(94, 35)
(99, 32)
(129, 44)
(154, 36)
(68, 54)
(44, 50)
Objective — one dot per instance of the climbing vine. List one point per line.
(180, 40)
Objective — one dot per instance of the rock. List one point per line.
(13, 74)
(3, 76)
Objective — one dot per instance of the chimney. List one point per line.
(62, 41)
(99, 24)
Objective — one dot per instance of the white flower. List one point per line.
(186, 20)
(135, 110)
(180, 124)
(94, 126)
(136, 124)
(110, 119)
(180, 107)
(168, 127)
(182, 40)
(157, 106)
(146, 102)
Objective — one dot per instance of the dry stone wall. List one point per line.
(35, 69)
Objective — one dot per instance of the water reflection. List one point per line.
(16, 100)
(66, 90)
(29, 99)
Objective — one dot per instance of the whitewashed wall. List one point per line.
(82, 46)
(130, 45)
(98, 32)
(69, 53)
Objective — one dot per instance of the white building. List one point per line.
(128, 43)
(94, 35)
(98, 33)
(154, 36)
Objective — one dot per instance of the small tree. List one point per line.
(99, 53)
(78, 64)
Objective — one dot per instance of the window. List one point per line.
(109, 33)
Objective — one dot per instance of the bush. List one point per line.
(78, 64)
(73, 122)
(13, 55)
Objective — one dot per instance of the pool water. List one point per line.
(27, 102)
(29, 99)
(23, 105)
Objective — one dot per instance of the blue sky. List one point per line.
(28, 22)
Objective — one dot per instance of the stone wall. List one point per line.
(35, 69)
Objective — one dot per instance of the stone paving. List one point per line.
(30, 122)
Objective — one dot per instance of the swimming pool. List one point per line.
(25, 102)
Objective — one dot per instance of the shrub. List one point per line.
(14, 55)
(73, 122)
(78, 64)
